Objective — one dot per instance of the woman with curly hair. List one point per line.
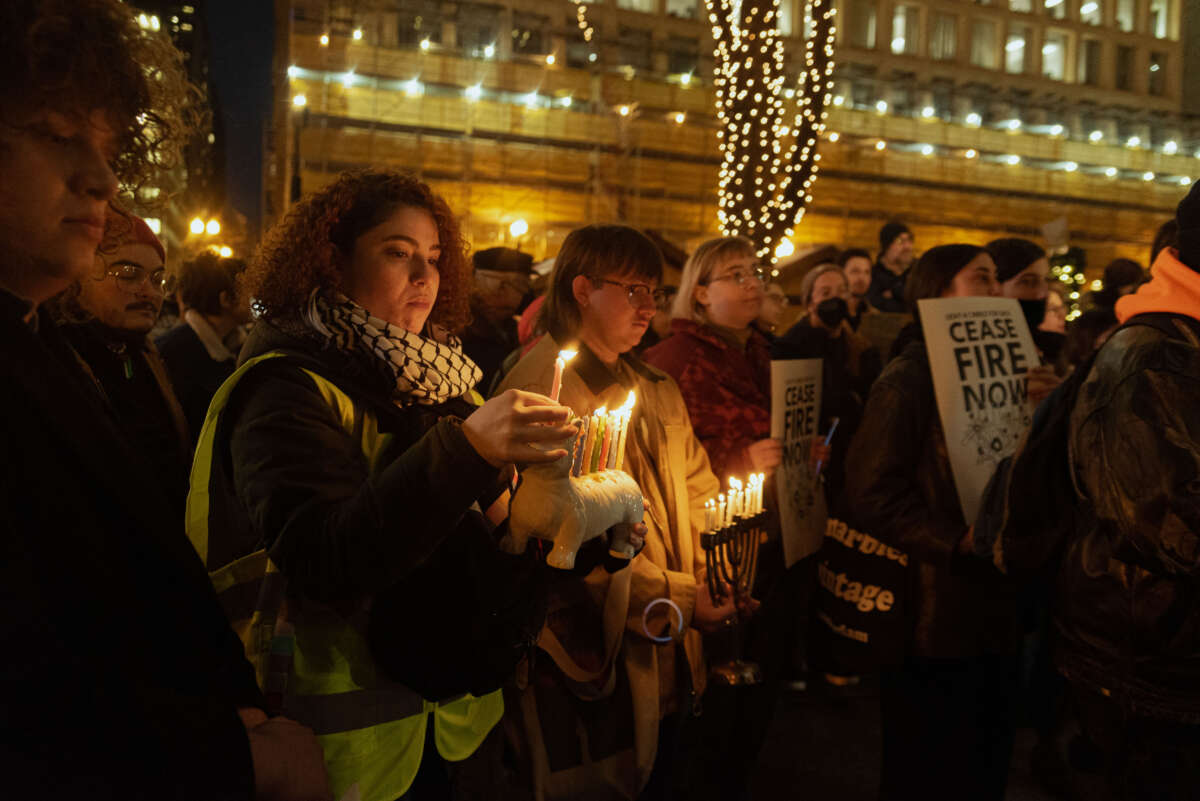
(351, 450)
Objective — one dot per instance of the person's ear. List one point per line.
(701, 295)
(226, 299)
(581, 289)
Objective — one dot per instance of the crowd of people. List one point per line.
(263, 552)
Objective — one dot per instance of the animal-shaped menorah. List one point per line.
(551, 504)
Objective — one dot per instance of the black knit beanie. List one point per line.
(889, 233)
(1188, 218)
(1012, 255)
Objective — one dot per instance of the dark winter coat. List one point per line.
(726, 388)
(886, 292)
(1128, 605)
(121, 677)
(900, 489)
(195, 374)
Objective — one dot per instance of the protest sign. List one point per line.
(980, 350)
(795, 421)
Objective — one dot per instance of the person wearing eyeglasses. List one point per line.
(721, 363)
(107, 316)
(602, 672)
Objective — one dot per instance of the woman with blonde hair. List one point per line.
(720, 361)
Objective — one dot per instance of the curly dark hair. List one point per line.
(307, 249)
(79, 56)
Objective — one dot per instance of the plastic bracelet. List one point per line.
(646, 613)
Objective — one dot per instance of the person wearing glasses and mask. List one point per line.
(107, 316)
(602, 672)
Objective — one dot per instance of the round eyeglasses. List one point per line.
(130, 276)
(641, 296)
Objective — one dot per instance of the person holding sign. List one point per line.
(947, 729)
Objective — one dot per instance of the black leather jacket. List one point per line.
(1128, 606)
(900, 489)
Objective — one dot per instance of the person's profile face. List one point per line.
(56, 180)
(1029, 284)
(393, 271)
(977, 279)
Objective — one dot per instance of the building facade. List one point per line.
(968, 120)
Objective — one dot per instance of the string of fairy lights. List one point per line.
(768, 163)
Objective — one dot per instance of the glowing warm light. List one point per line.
(550, 60)
(974, 119)
(225, 251)
(293, 71)
(1111, 172)
(1096, 136)
(972, 153)
(1070, 166)
(1147, 176)
(299, 101)
(685, 79)
(881, 106)
(566, 102)
(926, 150)
(324, 40)
(413, 87)
(623, 111)
(155, 225)
(212, 228)
(679, 117)
(839, 100)
(358, 34)
(518, 227)
(630, 400)
(881, 145)
(197, 226)
(489, 51)
(1012, 160)
(1185, 180)
(426, 44)
(1014, 125)
(834, 136)
(531, 100)
(1056, 130)
(473, 92)
(784, 249)
(1170, 148)
(928, 112)
(1134, 141)
(348, 79)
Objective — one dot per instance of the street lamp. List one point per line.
(197, 226)
(212, 228)
(518, 228)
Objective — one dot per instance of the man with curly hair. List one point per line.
(121, 677)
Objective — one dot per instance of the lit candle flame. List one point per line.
(567, 355)
(629, 401)
(734, 483)
(603, 410)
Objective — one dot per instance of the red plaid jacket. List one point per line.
(727, 391)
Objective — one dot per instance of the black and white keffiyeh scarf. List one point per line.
(424, 370)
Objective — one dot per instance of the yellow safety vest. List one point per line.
(313, 661)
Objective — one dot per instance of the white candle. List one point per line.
(564, 356)
(721, 522)
(710, 515)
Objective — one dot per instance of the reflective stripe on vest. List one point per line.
(315, 660)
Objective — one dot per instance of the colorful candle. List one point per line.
(560, 363)
(606, 444)
(626, 411)
(580, 446)
(585, 462)
(598, 419)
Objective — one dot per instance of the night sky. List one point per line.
(241, 36)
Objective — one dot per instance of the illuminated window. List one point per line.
(1055, 9)
(527, 33)
(637, 5)
(1160, 18)
(943, 37)
(1054, 55)
(906, 30)
(1024, 6)
(1016, 50)
(983, 44)
(783, 19)
(1126, 11)
(1091, 12)
(683, 8)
